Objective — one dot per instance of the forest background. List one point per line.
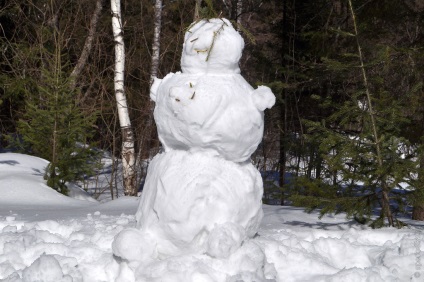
(345, 134)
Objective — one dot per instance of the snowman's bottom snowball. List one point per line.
(187, 195)
(248, 264)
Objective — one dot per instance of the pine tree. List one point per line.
(54, 127)
(361, 141)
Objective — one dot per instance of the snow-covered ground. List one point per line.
(45, 236)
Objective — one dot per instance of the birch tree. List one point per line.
(128, 152)
(156, 40)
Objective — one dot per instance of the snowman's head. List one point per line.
(212, 46)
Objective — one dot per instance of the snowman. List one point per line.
(202, 195)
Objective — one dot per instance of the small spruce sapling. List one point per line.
(54, 127)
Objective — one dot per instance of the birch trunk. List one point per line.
(156, 41)
(128, 153)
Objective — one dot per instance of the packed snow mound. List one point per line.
(28, 189)
(21, 182)
(246, 265)
(211, 46)
(76, 249)
(299, 245)
(13, 162)
(187, 196)
(202, 196)
(219, 112)
(47, 269)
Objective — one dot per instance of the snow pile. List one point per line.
(67, 241)
(307, 249)
(202, 196)
(19, 172)
(59, 250)
(292, 245)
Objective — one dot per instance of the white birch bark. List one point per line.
(156, 41)
(128, 153)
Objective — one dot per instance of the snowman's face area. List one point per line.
(212, 46)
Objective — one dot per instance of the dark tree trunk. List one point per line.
(418, 212)
(88, 45)
(282, 157)
(283, 112)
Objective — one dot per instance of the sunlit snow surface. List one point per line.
(55, 238)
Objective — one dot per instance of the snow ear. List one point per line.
(154, 88)
(263, 98)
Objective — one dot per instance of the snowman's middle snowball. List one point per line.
(187, 194)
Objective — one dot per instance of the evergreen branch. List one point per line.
(248, 34)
